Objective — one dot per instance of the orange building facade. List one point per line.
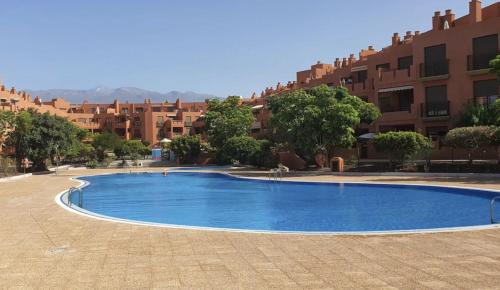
(144, 121)
(421, 82)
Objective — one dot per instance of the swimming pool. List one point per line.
(213, 200)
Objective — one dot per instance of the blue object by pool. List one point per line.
(220, 201)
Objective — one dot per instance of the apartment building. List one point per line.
(422, 81)
(145, 121)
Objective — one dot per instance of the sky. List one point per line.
(221, 47)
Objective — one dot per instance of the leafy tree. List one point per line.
(41, 136)
(319, 119)
(471, 139)
(106, 141)
(133, 149)
(226, 119)
(495, 66)
(401, 146)
(19, 138)
(480, 115)
(186, 148)
(7, 123)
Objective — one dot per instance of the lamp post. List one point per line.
(57, 160)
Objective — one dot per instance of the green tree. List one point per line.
(50, 137)
(186, 148)
(472, 139)
(480, 115)
(226, 119)
(401, 146)
(19, 138)
(319, 119)
(495, 66)
(7, 124)
(105, 142)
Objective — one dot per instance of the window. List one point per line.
(125, 111)
(137, 134)
(397, 128)
(485, 49)
(436, 101)
(405, 62)
(360, 76)
(156, 109)
(137, 121)
(383, 67)
(485, 92)
(139, 110)
(435, 61)
(396, 101)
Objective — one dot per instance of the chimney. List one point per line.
(395, 39)
(352, 59)
(450, 17)
(475, 11)
(337, 62)
(436, 21)
(344, 62)
(408, 36)
(417, 32)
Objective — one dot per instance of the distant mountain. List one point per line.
(108, 95)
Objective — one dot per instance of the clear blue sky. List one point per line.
(221, 47)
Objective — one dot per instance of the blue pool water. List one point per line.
(220, 201)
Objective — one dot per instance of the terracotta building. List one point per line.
(421, 81)
(146, 121)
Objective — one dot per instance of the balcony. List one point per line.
(437, 70)
(485, 101)
(361, 85)
(435, 110)
(395, 75)
(478, 64)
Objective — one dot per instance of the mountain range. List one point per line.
(124, 94)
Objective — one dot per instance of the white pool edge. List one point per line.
(82, 212)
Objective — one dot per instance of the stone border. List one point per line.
(16, 177)
(59, 199)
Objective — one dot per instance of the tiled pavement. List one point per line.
(44, 246)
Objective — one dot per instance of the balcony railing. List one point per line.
(485, 101)
(441, 109)
(437, 68)
(480, 61)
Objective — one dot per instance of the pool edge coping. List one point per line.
(82, 212)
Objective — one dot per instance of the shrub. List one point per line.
(186, 148)
(264, 157)
(472, 139)
(401, 146)
(240, 148)
(91, 164)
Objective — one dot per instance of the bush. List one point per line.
(186, 148)
(92, 164)
(264, 157)
(240, 149)
(472, 138)
(247, 150)
(401, 146)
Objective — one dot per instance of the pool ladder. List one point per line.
(71, 191)
(492, 208)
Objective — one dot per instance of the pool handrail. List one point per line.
(80, 196)
(492, 208)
